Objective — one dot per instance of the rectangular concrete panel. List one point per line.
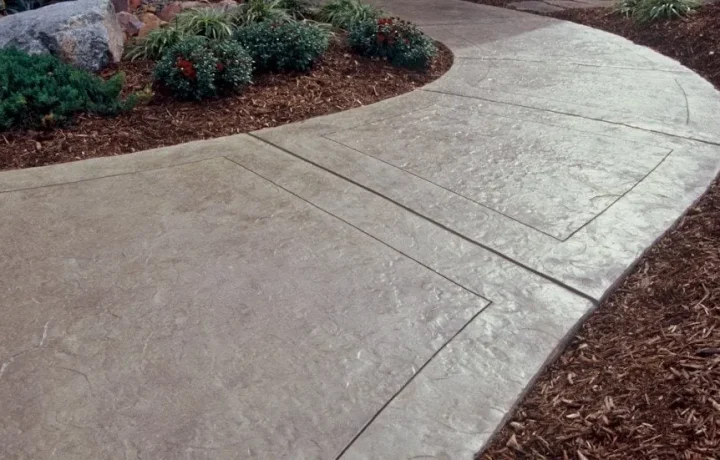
(199, 311)
(593, 257)
(552, 179)
(452, 406)
(650, 95)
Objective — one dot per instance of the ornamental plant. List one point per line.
(344, 14)
(286, 46)
(212, 23)
(234, 67)
(400, 42)
(197, 68)
(653, 10)
(41, 91)
(253, 11)
(644, 11)
(156, 43)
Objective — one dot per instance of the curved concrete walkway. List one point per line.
(382, 283)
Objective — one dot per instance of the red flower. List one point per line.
(380, 38)
(186, 67)
(220, 66)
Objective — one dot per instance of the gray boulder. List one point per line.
(82, 32)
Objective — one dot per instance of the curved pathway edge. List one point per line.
(384, 282)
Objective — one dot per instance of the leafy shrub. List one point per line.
(197, 68)
(626, 7)
(299, 9)
(234, 66)
(212, 23)
(344, 14)
(254, 11)
(288, 46)
(18, 6)
(154, 44)
(41, 91)
(401, 42)
(652, 10)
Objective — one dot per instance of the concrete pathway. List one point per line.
(382, 283)
(551, 6)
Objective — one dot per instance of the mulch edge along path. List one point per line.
(340, 80)
(641, 377)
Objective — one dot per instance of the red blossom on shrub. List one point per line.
(220, 66)
(186, 67)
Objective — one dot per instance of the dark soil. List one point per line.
(641, 379)
(694, 41)
(340, 81)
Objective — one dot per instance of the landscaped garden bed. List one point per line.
(298, 68)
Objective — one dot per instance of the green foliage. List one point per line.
(18, 6)
(344, 14)
(253, 11)
(154, 44)
(197, 68)
(212, 23)
(287, 46)
(653, 10)
(41, 91)
(234, 66)
(626, 7)
(400, 42)
(299, 9)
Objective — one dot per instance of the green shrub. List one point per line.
(299, 9)
(400, 42)
(652, 10)
(212, 23)
(154, 44)
(18, 6)
(197, 68)
(41, 91)
(254, 11)
(288, 46)
(344, 14)
(234, 66)
(626, 7)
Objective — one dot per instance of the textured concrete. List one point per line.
(379, 283)
(549, 6)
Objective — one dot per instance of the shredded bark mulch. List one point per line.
(693, 41)
(641, 379)
(339, 81)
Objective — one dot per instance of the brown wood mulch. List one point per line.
(641, 378)
(339, 81)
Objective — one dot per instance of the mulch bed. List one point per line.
(641, 379)
(339, 81)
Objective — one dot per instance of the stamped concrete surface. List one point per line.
(381, 283)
